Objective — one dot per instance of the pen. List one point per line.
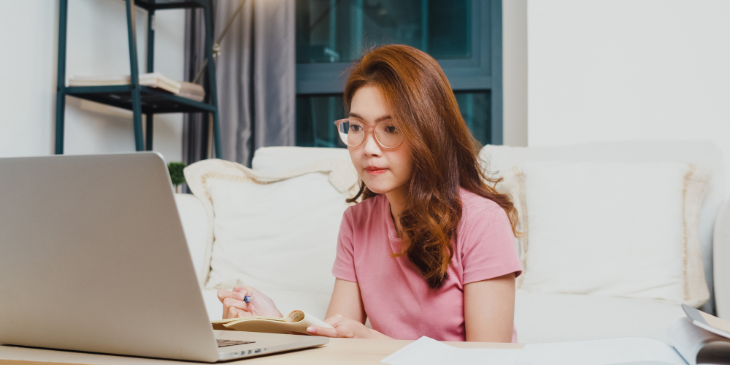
(247, 299)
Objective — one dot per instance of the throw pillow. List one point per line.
(273, 231)
(618, 229)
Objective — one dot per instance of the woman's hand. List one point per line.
(235, 307)
(345, 328)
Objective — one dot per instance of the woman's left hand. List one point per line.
(345, 328)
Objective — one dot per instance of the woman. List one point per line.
(429, 251)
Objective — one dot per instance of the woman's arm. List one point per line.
(346, 301)
(489, 309)
(346, 314)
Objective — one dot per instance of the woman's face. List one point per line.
(382, 170)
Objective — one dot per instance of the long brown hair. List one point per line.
(443, 150)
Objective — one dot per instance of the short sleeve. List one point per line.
(488, 244)
(344, 267)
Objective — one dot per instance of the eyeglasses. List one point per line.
(353, 132)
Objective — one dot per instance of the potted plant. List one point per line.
(176, 173)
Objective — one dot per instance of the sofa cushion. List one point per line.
(194, 220)
(546, 317)
(276, 232)
(702, 153)
(281, 159)
(620, 229)
(513, 184)
(212, 304)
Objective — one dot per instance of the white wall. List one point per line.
(97, 45)
(604, 70)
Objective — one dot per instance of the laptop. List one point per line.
(93, 258)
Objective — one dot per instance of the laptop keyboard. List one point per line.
(226, 343)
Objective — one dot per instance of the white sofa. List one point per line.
(539, 317)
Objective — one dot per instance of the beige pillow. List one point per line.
(572, 219)
(513, 184)
(266, 228)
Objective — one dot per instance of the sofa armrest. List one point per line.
(721, 260)
(195, 224)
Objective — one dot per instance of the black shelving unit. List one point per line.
(140, 99)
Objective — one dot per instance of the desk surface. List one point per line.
(338, 351)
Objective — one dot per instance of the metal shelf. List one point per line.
(169, 4)
(140, 99)
(153, 101)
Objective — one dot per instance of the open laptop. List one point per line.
(93, 258)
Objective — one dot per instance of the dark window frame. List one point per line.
(481, 72)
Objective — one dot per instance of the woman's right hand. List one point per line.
(235, 307)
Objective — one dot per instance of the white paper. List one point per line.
(601, 352)
(427, 351)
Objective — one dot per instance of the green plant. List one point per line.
(176, 173)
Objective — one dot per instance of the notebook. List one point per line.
(295, 322)
(707, 321)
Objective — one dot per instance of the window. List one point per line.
(465, 36)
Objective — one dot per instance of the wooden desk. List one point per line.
(338, 351)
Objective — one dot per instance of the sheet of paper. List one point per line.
(601, 352)
(427, 351)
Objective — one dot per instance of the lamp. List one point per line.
(217, 43)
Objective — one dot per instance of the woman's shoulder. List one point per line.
(366, 207)
(480, 211)
(474, 203)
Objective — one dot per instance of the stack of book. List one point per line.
(191, 91)
(156, 80)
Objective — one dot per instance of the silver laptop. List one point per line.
(93, 258)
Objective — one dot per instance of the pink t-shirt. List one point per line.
(397, 299)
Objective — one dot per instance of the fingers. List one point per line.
(321, 331)
(341, 328)
(223, 294)
(245, 290)
(233, 303)
(258, 304)
(240, 289)
(238, 313)
(335, 320)
(230, 302)
(233, 312)
(245, 293)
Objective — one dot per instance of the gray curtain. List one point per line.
(255, 74)
(195, 125)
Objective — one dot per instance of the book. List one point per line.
(707, 321)
(192, 91)
(295, 322)
(155, 79)
(690, 344)
(702, 338)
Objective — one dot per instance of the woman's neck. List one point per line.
(397, 200)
